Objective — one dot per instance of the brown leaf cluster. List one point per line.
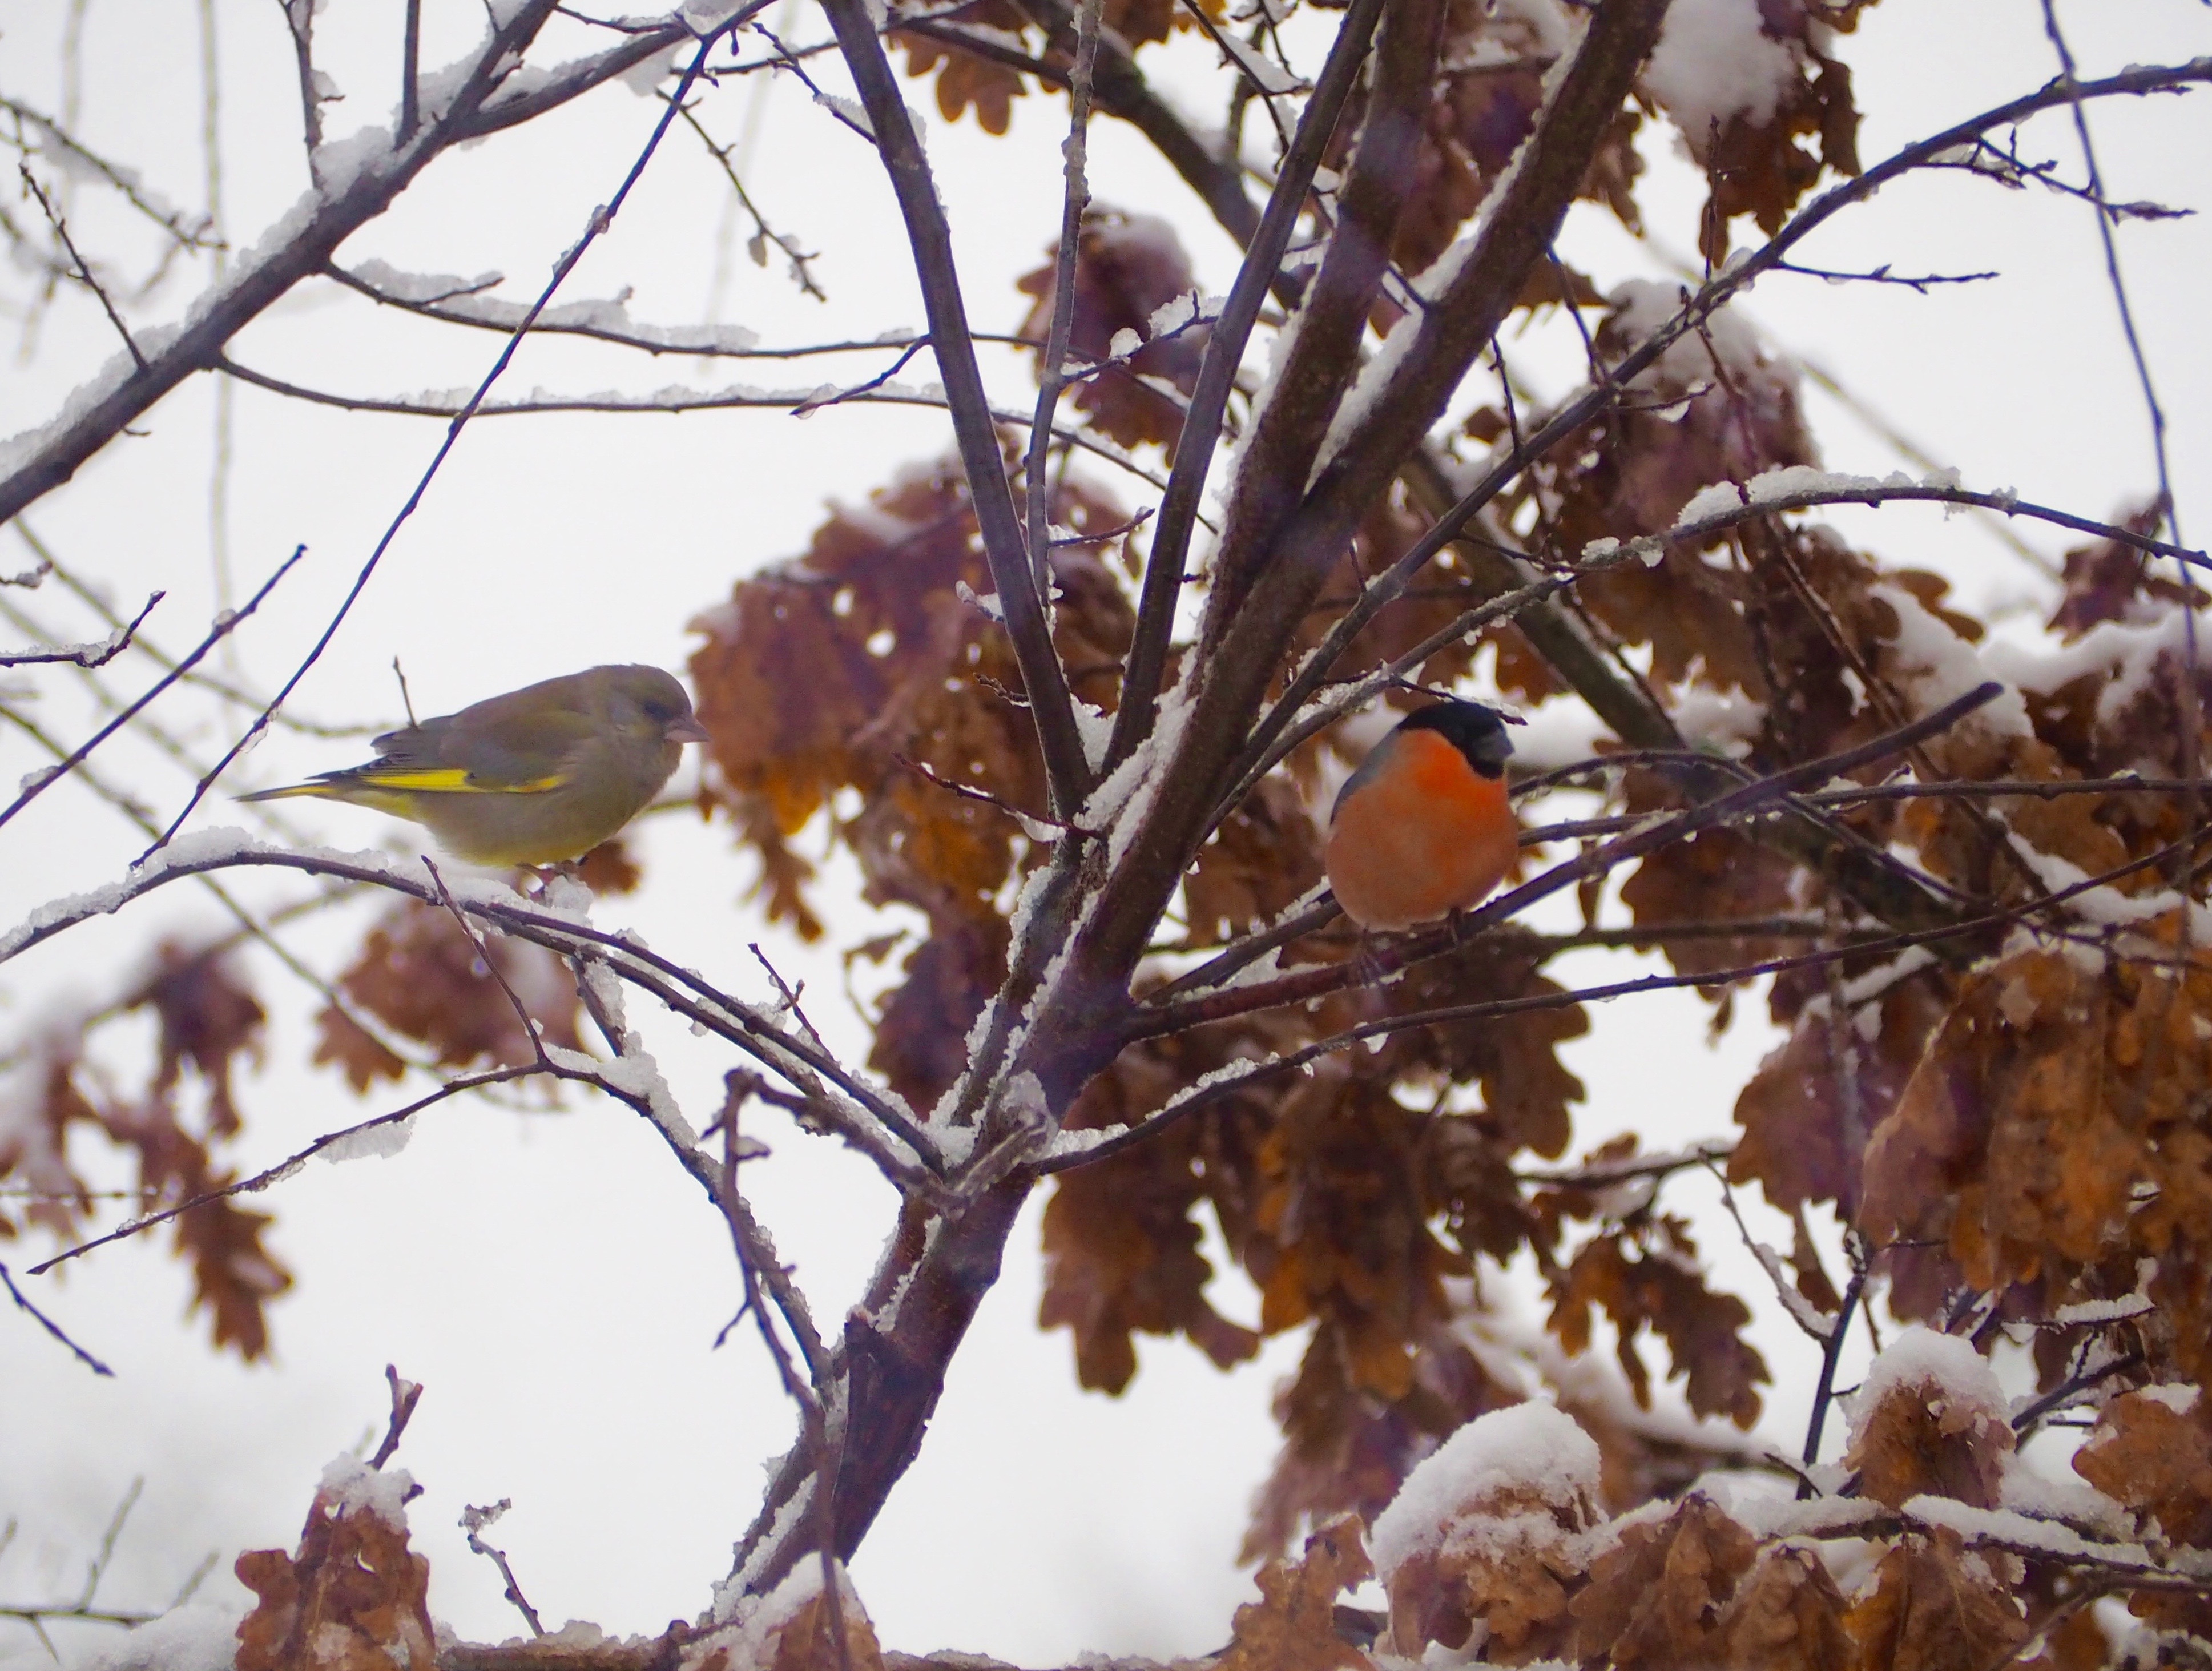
(1489, 85)
(1764, 167)
(1350, 1211)
(1643, 1275)
(1808, 1111)
(1127, 267)
(2053, 1134)
(1292, 1627)
(353, 1598)
(832, 682)
(1507, 1562)
(969, 81)
(208, 1020)
(800, 1637)
(421, 975)
(1936, 1606)
(1920, 1438)
(2111, 581)
(2153, 1452)
(1526, 1568)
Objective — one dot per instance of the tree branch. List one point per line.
(1317, 374)
(1067, 770)
(330, 213)
(1225, 351)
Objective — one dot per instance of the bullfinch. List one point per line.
(1423, 828)
(540, 774)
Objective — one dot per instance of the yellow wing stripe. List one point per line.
(446, 780)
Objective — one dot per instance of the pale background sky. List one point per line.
(551, 1280)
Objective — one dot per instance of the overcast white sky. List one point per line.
(552, 1281)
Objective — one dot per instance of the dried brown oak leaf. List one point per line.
(807, 1640)
(2111, 581)
(1128, 266)
(35, 1134)
(1120, 1236)
(208, 1017)
(1714, 407)
(1714, 877)
(1292, 1626)
(1340, 1230)
(610, 868)
(1263, 858)
(1527, 1092)
(1787, 91)
(1344, 1451)
(990, 87)
(1788, 1615)
(353, 1597)
(1935, 1606)
(1956, 842)
(1646, 1276)
(422, 977)
(1930, 1420)
(1656, 1598)
(820, 674)
(1489, 85)
(2151, 1451)
(1121, 1241)
(793, 1629)
(234, 1276)
(2050, 1097)
(1807, 1112)
(969, 79)
(1492, 1532)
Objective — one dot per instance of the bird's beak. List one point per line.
(687, 730)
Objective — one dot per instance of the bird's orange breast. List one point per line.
(1426, 834)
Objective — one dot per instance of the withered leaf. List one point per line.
(353, 1598)
(1934, 1607)
(1128, 266)
(1647, 1278)
(1788, 1615)
(1921, 1439)
(1292, 1627)
(1655, 1598)
(208, 1017)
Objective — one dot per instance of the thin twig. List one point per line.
(224, 626)
(705, 400)
(522, 1015)
(473, 1521)
(97, 654)
(291, 1165)
(405, 1395)
(410, 49)
(23, 1304)
(83, 268)
(1067, 768)
(1832, 1351)
(1075, 202)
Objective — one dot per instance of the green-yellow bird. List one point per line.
(540, 774)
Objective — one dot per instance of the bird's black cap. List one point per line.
(1476, 731)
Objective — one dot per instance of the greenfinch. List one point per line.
(540, 774)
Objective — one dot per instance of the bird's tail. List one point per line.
(288, 791)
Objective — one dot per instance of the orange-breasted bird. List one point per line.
(1422, 829)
